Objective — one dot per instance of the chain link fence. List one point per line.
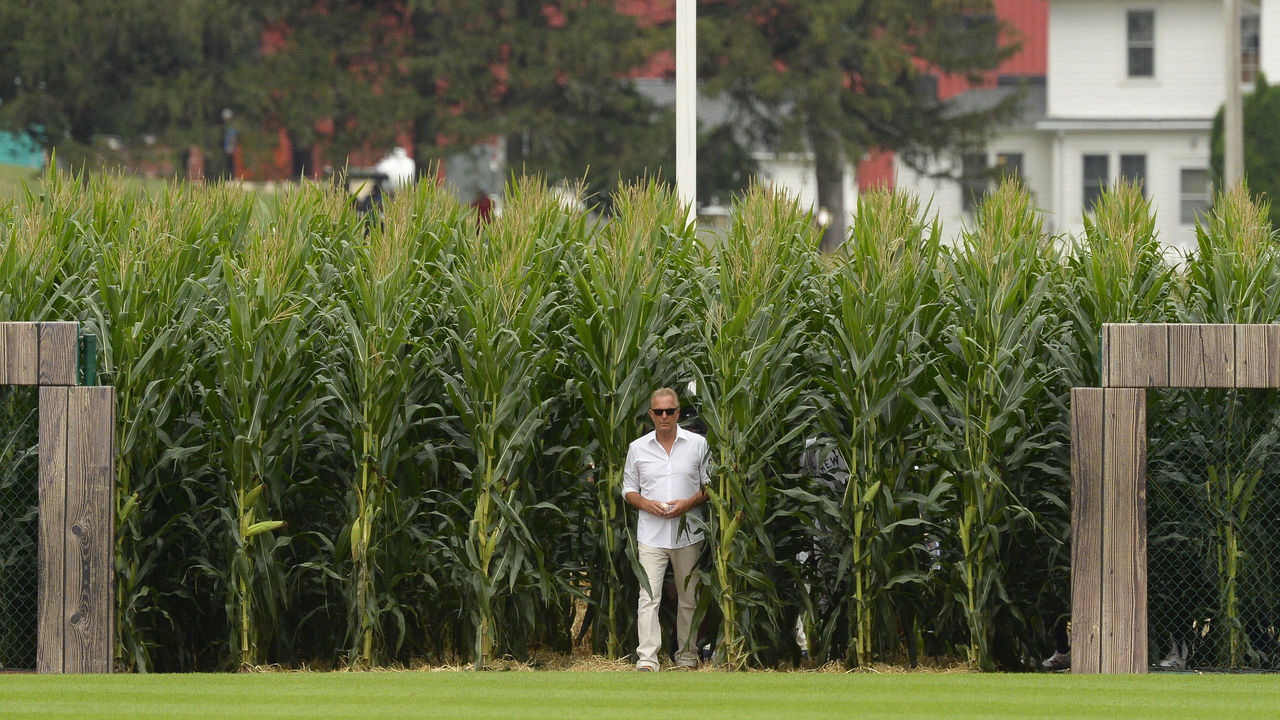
(1213, 524)
(19, 469)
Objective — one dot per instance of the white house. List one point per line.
(950, 186)
(1131, 92)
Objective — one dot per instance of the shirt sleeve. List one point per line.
(630, 475)
(704, 477)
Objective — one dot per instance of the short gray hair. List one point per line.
(664, 392)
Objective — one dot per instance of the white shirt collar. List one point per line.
(680, 433)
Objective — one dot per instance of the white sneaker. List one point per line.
(1057, 661)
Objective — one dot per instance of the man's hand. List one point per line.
(653, 507)
(668, 509)
(676, 508)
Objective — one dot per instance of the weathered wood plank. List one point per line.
(1124, 536)
(1258, 356)
(4, 353)
(58, 353)
(52, 487)
(1273, 355)
(1252, 350)
(1086, 529)
(1202, 356)
(23, 353)
(1135, 355)
(90, 474)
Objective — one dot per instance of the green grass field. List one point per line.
(11, 179)
(694, 696)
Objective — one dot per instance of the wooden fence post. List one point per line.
(75, 596)
(1124, 534)
(76, 606)
(89, 598)
(51, 547)
(1086, 529)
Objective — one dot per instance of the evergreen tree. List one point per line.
(550, 77)
(843, 77)
(72, 69)
(1261, 144)
(326, 73)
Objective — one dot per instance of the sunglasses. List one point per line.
(664, 411)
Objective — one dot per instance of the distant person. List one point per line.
(483, 205)
(826, 467)
(194, 164)
(664, 478)
(399, 169)
(370, 202)
(230, 139)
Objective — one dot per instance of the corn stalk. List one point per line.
(508, 300)
(1234, 277)
(756, 400)
(992, 380)
(153, 278)
(1229, 495)
(885, 303)
(261, 411)
(385, 301)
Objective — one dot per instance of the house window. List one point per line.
(1142, 43)
(1009, 166)
(1133, 168)
(975, 180)
(1250, 46)
(1096, 173)
(1194, 192)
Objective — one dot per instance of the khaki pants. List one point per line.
(654, 561)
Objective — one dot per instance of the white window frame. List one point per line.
(1085, 186)
(1130, 44)
(1205, 197)
(1120, 175)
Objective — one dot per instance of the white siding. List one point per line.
(795, 174)
(1270, 34)
(1088, 60)
(943, 196)
(1168, 153)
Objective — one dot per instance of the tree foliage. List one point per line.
(323, 72)
(72, 69)
(842, 77)
(1261, 144)
(552, 78)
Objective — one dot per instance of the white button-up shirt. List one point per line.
(663, 477)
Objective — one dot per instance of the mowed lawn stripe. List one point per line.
(619, 695)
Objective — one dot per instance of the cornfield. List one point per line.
(361, 440)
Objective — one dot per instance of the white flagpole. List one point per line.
(686, 105)
(1233, 113)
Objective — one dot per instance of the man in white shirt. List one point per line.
(399, 169)
(664, 478)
